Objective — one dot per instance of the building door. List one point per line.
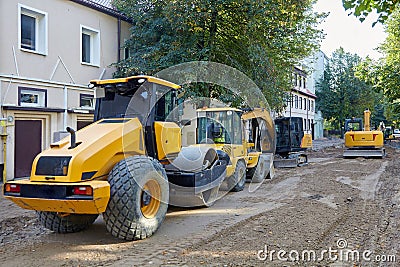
(28, 143)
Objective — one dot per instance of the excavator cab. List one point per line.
(292, 142)
(354, 124)
(290, 134)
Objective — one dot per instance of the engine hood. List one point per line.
(100, 146)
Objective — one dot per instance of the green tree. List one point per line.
(384, 74)
(362, 8)
(340, 93)
(261, 38)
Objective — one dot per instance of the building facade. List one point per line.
(301, 100)
(316, 65)
(50, 50)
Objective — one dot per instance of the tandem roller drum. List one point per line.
(195, 176)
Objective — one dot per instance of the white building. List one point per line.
(316, 65)
(301, 102)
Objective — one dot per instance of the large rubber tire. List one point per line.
(237, 180)
(139, 195)
(66, 224)
(257, 173)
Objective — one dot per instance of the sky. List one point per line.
(348, 32)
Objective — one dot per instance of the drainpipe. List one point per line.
(65, 107)
(119, 40)
(4, 140)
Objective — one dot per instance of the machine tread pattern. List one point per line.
(123, 216)
(66, 224)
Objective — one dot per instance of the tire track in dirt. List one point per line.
(308, 207)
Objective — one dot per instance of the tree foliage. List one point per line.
(261, 38)
(341, 94)
(362, 8)
(384, 74)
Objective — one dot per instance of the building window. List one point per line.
(300, 102)
(32, 30)
(299, 81)
(295, 79)
(86, 101)
(30, 97)
(296, 101)
(312, 105)
(308, 104)
(305, 104)
(304, 82)
(90, 46)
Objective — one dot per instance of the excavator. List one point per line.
(361, 141)
(292, 142)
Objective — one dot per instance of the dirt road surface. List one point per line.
(332, 212)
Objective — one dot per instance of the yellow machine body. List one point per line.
(236, 153)
(168, 139)
(373, 139)
(306, 141)
(128, 165)
(364, 138)
(362, 142)
(252, 159)
(235, 148)
(61, 169)
(248, 138)
(95, 204)
(100, 146)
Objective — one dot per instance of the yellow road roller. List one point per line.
(123, 165)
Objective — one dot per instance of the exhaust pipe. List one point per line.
(73, 137)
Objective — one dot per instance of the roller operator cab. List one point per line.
(360, 140)
(244, 138)
(119, 166)
(223, 128)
